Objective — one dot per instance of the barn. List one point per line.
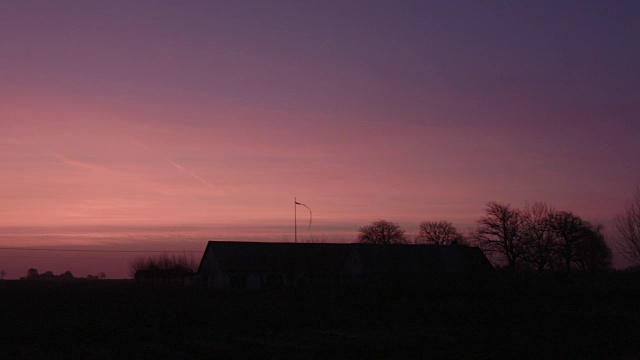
(255, 265)
(258, 265)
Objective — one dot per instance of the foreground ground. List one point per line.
(503, 318)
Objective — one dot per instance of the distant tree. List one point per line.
(438, 233)
(500, 232)
(538, 237)
(569, 230)
(382, 232)
(592, 251)
(102, 276)
(32, 274)
(162, 263)
(628, 226)
(2, 274)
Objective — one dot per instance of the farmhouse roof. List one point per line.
(269, 257)
(392, 258)
(325, 258)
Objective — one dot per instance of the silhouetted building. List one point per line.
(256, 265)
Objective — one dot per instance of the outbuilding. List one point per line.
(259, 265)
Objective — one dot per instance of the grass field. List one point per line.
(503, 318)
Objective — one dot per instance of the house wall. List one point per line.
(219, 280)
(254, 281)
(353, 265)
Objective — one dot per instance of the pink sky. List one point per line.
(160, 125)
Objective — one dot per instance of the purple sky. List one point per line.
(205, 119)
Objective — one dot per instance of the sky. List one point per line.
(132, 126)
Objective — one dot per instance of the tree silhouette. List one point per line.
(569, 230)
(32, 274)
(163, 263)
(382, 232)
(628, 226)
(438, 233)
(592, 251)
(538, 237)
(500, 232)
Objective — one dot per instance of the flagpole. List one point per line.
(295, 218)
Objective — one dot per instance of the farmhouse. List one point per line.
(256, 265)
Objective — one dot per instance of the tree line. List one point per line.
(430, 232)
(33, 274)
(541, 238)
(536, 237)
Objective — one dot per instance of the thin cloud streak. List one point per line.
(80, 164)
(195, 176)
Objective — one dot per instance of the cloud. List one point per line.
(195, 176)
(80, 164)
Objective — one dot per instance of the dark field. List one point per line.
(502, 318)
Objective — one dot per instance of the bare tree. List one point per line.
(438, 233)
(538, 237)
(500, 232)
(542, 238)
(569, 230)
(592, 251)
(382, 232)
(162, 262)
(628, 226)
